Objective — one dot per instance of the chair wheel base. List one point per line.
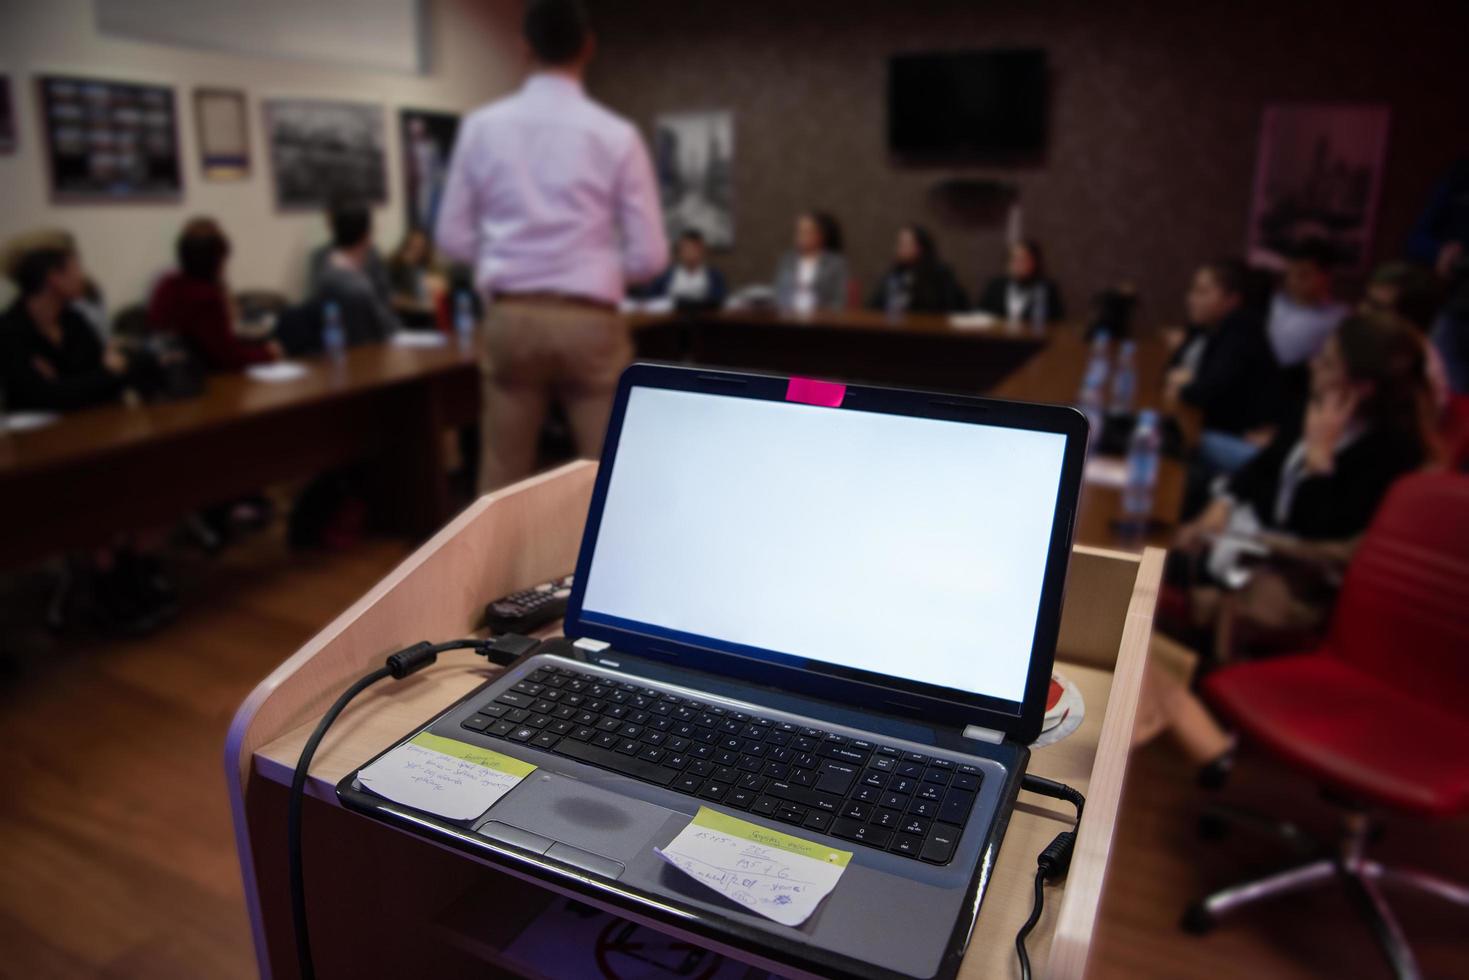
(1198, 920)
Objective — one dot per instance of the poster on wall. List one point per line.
(1319, 175)
(110, 141)
(7, 117)
(320, 150)
(223, 130)
(693, 153)
(428, 143)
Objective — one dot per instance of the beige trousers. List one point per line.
(534, 350)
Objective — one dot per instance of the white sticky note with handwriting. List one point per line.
(440, 775)
(773, 874)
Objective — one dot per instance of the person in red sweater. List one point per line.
(194, 305)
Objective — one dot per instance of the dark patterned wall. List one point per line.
(1154, 119)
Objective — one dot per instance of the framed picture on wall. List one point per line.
(323, 149)
(7, 117)
(428, 142)
(1319, 175)
(223, 130)
(693, 153)
(109, 140)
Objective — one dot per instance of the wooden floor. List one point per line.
(117, 860)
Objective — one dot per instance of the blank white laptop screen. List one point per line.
(909, 547)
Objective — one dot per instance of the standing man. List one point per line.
(552, 198)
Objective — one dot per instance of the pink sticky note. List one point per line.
(827, 394)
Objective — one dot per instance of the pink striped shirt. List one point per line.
(550, 192)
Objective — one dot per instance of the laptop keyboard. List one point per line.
(901, 802)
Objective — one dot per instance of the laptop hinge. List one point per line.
(984, 734)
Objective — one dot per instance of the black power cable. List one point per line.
(501, 649)
(1052, 863)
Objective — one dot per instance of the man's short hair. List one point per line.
(1317, 251)
(31, 258)
(556, 30)
(351, 224)
(691, 235)
(201, 249)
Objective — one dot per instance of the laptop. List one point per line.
(829, 610)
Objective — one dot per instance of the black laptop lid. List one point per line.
(896, 550)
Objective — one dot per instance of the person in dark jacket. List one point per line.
(194, 304)
(691, 283)
(1014, 295)
(51, 358)
(1225, 368)
(918, 282)
(1368, 422)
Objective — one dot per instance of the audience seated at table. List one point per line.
(1014, 295)
(1223, 367)
(1303, 311)
(346, 279)
(194, 304)
(813, 275)
(373, 265)
(51, 358)
(416, 279)
(1315, 487)
(690, 283)
(918, 281)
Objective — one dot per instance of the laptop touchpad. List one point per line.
(588, 819)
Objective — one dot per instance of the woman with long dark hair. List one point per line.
(918, 281)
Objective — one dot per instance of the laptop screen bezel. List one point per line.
(885, 693)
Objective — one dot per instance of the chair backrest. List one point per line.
(1403, 614)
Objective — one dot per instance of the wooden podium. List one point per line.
(386, 903)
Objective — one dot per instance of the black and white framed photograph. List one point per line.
(1319, 175)
(7, 117)
(320, 150)
(110, 140)
(428, 143)
(693, 153)
(222, 127)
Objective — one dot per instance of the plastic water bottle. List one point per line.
(333, 335)
(1124, 380)
(1040, 314)
(1092, 400)
(1142, 472)
(464, 317)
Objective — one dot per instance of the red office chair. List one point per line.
(1379, 714)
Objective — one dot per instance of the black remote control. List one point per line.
(529, 609)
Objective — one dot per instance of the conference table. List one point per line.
(101, 471)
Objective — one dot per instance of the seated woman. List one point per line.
(813, 275)
(1319, 481)
(1298, 506)
(691, 283)
(918, 281)
(415, 279)
(194, 303)
(1014, 295)
(51, 358)
(1224, 367)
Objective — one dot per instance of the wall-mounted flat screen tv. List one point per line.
(967, 104)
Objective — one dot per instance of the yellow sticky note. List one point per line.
(444, 776)
(744, 830)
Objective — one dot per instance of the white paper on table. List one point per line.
(1105, 471)
(972, 321)
(419, 339)
(768, 872)
(443, 776)
(276, 372)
